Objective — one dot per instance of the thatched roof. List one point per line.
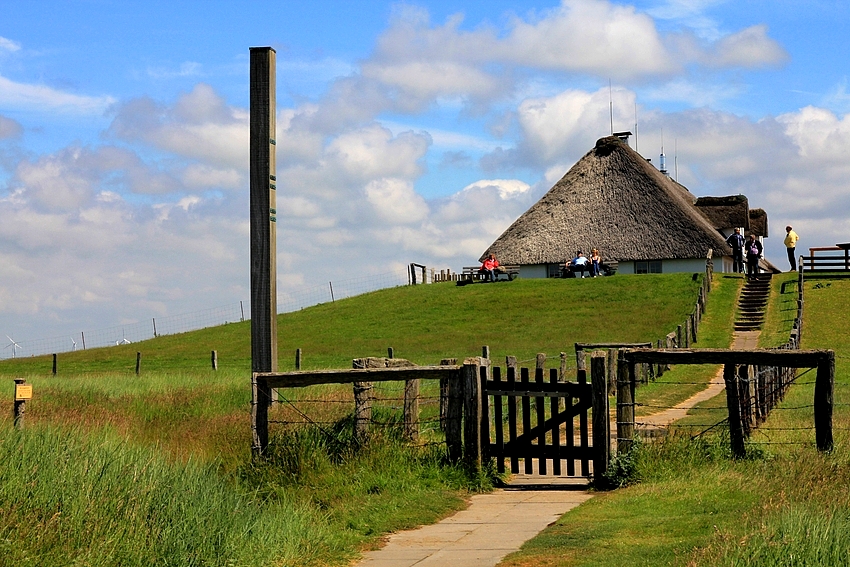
(758, 222)
(725, 212)
(613, 200)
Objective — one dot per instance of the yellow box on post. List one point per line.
(23, 392)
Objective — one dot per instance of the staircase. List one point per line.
(752, 303)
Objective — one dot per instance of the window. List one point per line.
(651, 267)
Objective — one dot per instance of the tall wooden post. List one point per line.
(625, 405)
(263, 213)
(824, 385)
(736, 430)
(471, 414)
(601, 417)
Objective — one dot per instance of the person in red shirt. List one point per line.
(488, 268)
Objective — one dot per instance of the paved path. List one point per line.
(498, 523)
(493, 525)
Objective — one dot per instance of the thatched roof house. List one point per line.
(614, 200)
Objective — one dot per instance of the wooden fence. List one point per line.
(835, 259)
(755, 381)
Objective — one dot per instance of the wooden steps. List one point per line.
(752, 303)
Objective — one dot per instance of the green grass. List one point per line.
(786, 504)
(187, 427)
(422, 323)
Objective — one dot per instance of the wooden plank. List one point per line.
(411, 410)
(526, 437)
(549, 452)
(512, 418)
(533, 390)
(484, 426)
(526, 423)
(498, 423)
(556, 431)
(540, 408)
(313, 377)
(763, 357)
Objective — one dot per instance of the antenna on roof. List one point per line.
(611, 105)
(636, 129)
(662, 166)
(676, 158)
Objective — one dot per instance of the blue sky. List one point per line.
(408, 132)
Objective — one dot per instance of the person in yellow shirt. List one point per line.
(791, 239)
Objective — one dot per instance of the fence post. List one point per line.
(562, 374)
(259, 415)
(138, 363)
(444, 393)
(612, 371)
(601, 416)
(454, 416)
(824, 384)
(54, 364)
(411, 409)
(20, 405)
(581, 365)
(678, 336)
(362, 411)
(298, 359)
(746, 398)
(625, 405)
(214, 359)
(736, 432)
(471, 414)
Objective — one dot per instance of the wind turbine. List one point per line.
(75, 344)
(123, 341)
(15, 346)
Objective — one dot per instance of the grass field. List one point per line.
(692, 505)
(115, 468)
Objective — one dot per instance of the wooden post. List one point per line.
(678, 336)
(20, 404)
(138, 363)
(411, 410)
(736, 431)
(746, 400)
(54, 364)
(562, 373)
(389, 352)
(454, 417)
(824, 384)
(298, 359)
(471, 414)
(612, 371)
(601, 417)
(625, 406)
(687, 333)
(444, 393)
(581, 365)
(362, 411)
(263, 228)
(214, 359)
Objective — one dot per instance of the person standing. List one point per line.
(754, 250)
(736, 241)
(791, 239)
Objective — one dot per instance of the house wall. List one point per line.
(532, 271)
(676, 266)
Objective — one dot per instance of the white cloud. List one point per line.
(507, 188)
(21, 96)
(748, 48)
(9, 128)
(9, 45)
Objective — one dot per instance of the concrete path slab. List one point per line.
(493, 526)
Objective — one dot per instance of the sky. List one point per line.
(407, 132)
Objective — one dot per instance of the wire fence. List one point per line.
(287, 301)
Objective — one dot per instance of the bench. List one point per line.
(503, 273)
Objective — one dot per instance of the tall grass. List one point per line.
(69, 499)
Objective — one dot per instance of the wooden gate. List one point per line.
(542, 420)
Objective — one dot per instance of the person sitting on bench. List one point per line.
(579, 264)
(488, 268)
